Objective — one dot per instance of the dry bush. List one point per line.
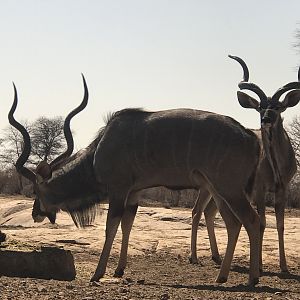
(3, 181)
(13, 183)
(161, 196)
(294, 192)
(293, 130)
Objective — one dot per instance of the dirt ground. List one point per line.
(158, 265)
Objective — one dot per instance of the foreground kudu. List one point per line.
(181, 148)
(277, 167)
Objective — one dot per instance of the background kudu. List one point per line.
(277, 167)
(125, 158)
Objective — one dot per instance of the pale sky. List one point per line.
(154, 54)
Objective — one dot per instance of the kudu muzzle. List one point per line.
(269, 116)
(38, 215)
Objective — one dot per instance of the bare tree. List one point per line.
(11, 148)
(11, 145)
(47, 138)
(47, 141)
(297, 43)
(293, 130)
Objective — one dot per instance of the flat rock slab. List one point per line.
(49, 263)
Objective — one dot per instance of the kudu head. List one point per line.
(269, 108)
(43, 172)
(276, 144)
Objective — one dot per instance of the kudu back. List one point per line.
(180, 148)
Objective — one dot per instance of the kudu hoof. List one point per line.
(285, 271)
(285, 274)
(217, 260)
(221, 280)
(95, 278)
(253, 282)
(193, 260)
(119, 273)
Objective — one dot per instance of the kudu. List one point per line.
(276, 169)
(180, 148)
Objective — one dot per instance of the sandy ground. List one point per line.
(158, 266)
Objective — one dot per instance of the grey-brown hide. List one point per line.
(168, 147)
(172, 148)
(263, 184)
(181, 148)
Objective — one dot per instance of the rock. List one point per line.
(41, 289)
(70, 287)
(164, 296)
(49, 263)
(128, 280)
(123, 290)
(141, 281)
(95, 283)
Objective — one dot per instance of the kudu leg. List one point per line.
(280, 201)
(201, 202)
(210, 213)
(261, 209)
(126, 225)
(233, 226)
(114, 216)
(246, 215)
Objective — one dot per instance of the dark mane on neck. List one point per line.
(75, 175)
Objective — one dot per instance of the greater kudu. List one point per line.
(276, 169)
(180, 148)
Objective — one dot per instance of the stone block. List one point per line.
(48, 263)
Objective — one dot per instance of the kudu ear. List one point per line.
(247, 101)
(291, 99)
(43, 170)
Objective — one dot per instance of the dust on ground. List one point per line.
(158, 265)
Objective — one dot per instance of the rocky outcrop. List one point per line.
(49, 263)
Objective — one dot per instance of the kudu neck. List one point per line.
(74, 185)
(279, 152)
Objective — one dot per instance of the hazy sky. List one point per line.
(154, 54)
